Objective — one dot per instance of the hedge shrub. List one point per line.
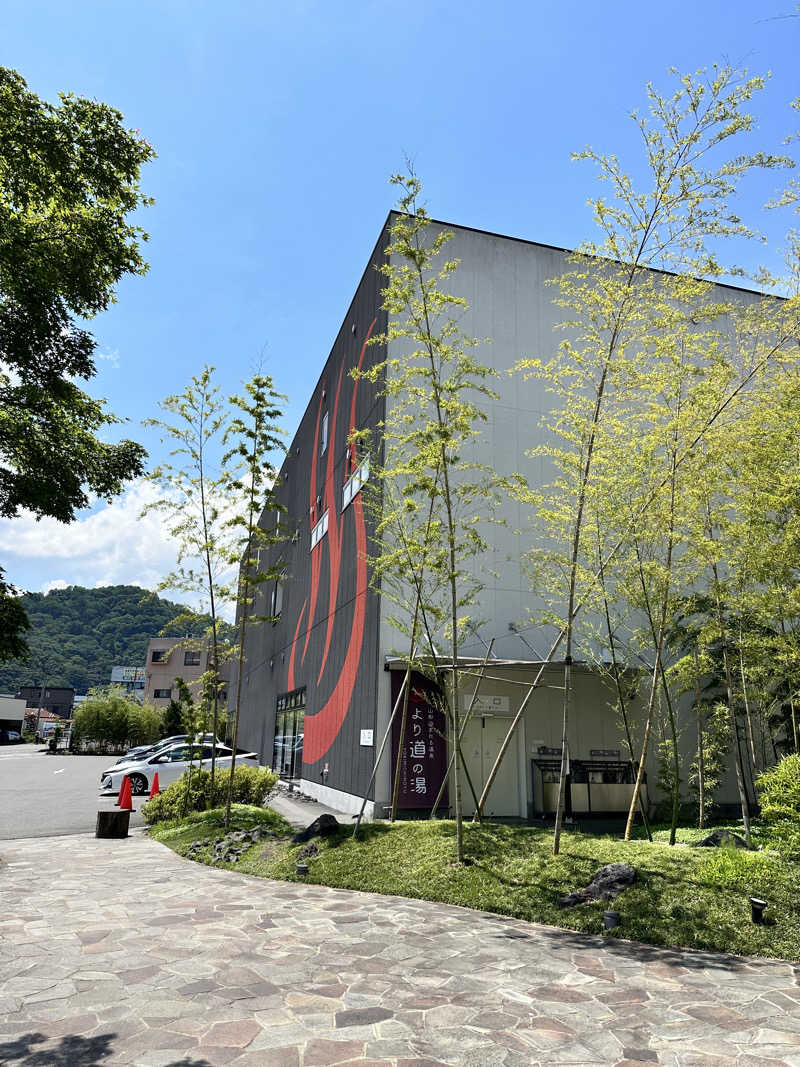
(250, 786)
(779, 794)
(113, 723)
(779, 790)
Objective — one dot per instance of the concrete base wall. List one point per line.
(337, 799)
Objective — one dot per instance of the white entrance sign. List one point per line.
(486, 704)
(366, 737)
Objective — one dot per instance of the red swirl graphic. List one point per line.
(323, 726)
(290, 683)
(313, 518)
(334, 541)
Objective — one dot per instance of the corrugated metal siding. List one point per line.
(349, 764)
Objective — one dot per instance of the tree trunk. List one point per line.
(676, 768)
(245, 590)
(414, 625)
(748, 717)
(651, 703)
(723, 636)
(701, 769)
(405, 685)
(618, 683)
(562, 774)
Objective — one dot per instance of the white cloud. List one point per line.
(111, 356)
(57, 583)
(114, 545)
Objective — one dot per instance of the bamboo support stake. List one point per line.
(440, 794)
(378, 758)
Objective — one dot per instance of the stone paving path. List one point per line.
(119, 952)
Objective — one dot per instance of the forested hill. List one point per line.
(77, 635)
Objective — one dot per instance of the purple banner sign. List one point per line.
(423, 752)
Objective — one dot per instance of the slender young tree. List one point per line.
(613, 298)
(194, 506)
(194, 720)
(253, 437)
(436, 391)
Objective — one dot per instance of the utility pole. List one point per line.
(41, 698)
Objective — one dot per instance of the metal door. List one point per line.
(481, 745)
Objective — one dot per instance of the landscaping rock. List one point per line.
(607, 884)
(308, 850)
(722, 839)
(231, 847)
(323, 826)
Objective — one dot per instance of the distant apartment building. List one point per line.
(131, 679)
(169, 658)
(53, 698)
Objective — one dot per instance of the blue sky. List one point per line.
(276, 127)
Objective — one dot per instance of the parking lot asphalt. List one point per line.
(44, 795)
(120, 952)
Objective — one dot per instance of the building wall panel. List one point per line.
(326, 638)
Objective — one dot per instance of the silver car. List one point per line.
(170, 764)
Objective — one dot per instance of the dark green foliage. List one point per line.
(77, 635)
(249, 786)
(716, 746)
(113, 723)
(13, 623)
(666, 777)
(69, 177)
(172, 723)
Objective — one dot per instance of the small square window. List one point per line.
(159, 655)
(162, 694)
(191, 658)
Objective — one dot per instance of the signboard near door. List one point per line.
(423, 751)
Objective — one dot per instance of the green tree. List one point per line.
(69, 177)
(253, 436)
(109, 720)
(194, 720)
(615, 296)
(193, 503)
(13, 623)
(434, 501)
(172, 722)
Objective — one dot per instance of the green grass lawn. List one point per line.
(684, 896)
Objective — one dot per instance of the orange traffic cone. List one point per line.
(125, 803)
(154, 789)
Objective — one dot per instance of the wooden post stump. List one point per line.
(112, 823)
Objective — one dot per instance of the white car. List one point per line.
(136, 755)
(170, 764)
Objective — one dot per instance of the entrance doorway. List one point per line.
(287, 750)
(481, 745)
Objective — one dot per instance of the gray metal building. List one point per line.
(318, 683)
